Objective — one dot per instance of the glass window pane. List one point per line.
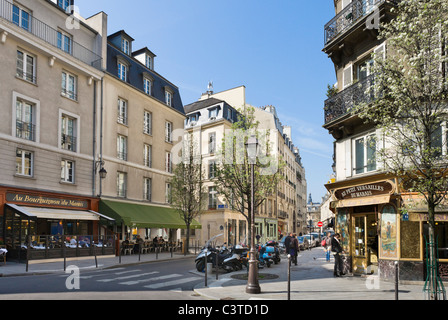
(359, 155)
(371, 153)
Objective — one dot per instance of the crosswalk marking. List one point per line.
(171, 283)
(129, 277)
(129, 283)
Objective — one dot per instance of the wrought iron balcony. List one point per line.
(351, 14)
(343, 102)
(41, 30)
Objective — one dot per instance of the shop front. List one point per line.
(364, 216)
(43, 225)
(381, 224)
(266, 229)
(146, 221)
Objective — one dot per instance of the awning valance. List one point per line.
(144, 216)
(34, 213)
(357, 202)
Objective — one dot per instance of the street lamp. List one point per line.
(252, 281)
(102, 173)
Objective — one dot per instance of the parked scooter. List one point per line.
(265, 258)
(228, 260)
(272, 247)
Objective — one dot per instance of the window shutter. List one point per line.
(348, 76)
(348, 158)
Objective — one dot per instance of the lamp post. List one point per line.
(252, 281)
(102, 173)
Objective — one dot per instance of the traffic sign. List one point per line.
(320, 224)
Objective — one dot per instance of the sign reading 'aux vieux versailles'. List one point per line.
(365, 190)
(39, 200)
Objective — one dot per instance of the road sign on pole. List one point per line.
(320, 224)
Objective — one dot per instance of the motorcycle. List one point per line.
(228, 260)
(272, 247)
(265, 257)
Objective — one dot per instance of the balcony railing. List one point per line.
(343, 102)
(49, 35)
(351, 14)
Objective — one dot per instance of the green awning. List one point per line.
(144, 216)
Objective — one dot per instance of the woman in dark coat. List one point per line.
(294, 248)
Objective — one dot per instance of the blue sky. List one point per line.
(274, 48)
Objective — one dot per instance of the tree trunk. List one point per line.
(433, 269)
(187, 240)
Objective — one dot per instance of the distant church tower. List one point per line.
(310, 200)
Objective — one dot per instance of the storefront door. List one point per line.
(364, 243)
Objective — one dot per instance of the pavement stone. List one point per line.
(311, 279)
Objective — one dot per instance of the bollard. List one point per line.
(205, 267)
(94, 252)
(396, 280)
(289, 277)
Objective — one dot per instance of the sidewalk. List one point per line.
(312, 279)
(84, 263)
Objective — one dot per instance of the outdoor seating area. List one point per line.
(132, 247)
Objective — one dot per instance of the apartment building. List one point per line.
(50, 87)
(207, 120)
(366, 201)
(142, 121)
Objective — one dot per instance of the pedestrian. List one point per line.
(336, 248)
(294, 248)
(287, 242)
(326, 244)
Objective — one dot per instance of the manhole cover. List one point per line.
(261, 276)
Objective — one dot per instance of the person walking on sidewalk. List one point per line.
(337, 251)
(294, 248)
(326, 244)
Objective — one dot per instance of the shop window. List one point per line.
(441, 237)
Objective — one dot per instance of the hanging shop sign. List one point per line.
(365, 190)
(46, 201)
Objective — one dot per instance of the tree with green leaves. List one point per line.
(410, 108)
(187, 194)
(233, 172)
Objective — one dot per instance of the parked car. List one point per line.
(303, 243)
(311, 240)
(317, 237)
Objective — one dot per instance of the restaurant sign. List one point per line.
(46, 201)
(365, 190)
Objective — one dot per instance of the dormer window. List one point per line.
(168, 97)
(123, 68)
(125, 46)
(64, 4)
(148, 62)
(213, 113)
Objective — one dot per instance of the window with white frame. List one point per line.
(25, 120)
(24, 163)
(213, 113)
(364, 154)
(125, 47)
(168, 132)
(147, 86)
(121, 184)
(212, 142)
(65, 42)
(168, 192)
(68, 133)
(21, 17)
(147, 122)
(67, 171)
(26, 66)
(122, 142)
(69, 85)
(212, 197)
(147, 154)
(64, 4)
(148, 62)
(147, 189)
(122, 71)
(122, 116)
(168, 162)
(211, 169)
(168, 98)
